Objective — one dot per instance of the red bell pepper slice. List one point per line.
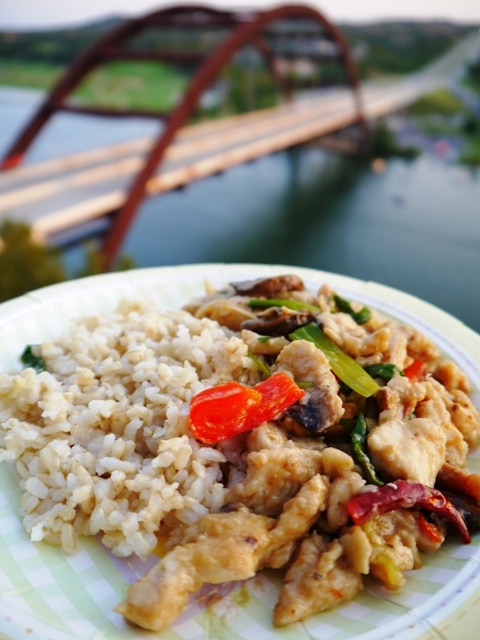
(221, 412)
(404, 494)
(279, 391)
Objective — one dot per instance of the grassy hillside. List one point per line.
(148, 85)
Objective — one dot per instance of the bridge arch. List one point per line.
(244, 29)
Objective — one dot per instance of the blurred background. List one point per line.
(405, 214)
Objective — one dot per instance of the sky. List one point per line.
(42, 14)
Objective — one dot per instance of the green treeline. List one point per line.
(36, 59)
(57, 47)
(397, 47)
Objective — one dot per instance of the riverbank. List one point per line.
(443, 124)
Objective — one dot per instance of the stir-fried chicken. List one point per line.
(321, 407)
(411, 449)
(298, 516)
(290, 482)
(449, 374)
(396, 539)
(220, 548)
(399, 398)
(227, 547)
(273, 477)
(342, 488)
(270, 347)
(451, 410)
(433, 407)
(352, 337)
(267, 436)
(319, 579)
(464, 416)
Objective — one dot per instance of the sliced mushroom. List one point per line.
(269, 287)
(278, 321)
(315, 414)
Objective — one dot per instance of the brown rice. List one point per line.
(100, 439)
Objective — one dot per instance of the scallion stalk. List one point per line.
(260, 364)
(360, 317)
(343, 365)
(296, 305)
(385, 370)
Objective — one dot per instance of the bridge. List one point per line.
(98, 192)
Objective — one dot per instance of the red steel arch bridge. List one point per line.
(299, 48)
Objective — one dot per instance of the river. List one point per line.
(415, 226)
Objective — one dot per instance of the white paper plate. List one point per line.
(45, 594)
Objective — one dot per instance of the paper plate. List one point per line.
(46, 595)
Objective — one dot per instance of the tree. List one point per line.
(24, 263)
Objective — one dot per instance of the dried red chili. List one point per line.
(416, 371)
(404, 494)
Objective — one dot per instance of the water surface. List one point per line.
(415, 227)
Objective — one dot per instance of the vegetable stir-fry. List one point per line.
(345, 459)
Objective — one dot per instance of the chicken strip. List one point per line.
(321, 402)
(220, 548)
(273, 477)
(298, 515)
(227, 548)
(410, 449)
(319, 579)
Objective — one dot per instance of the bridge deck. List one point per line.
(60, 194)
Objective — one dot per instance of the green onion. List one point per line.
(384, 370)
(360, 317)
(296, 305)
(260, 364)
(359, 451)
(347, 423)
(305, 384)
(344, 366)
(31, 357)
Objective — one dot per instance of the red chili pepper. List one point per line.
(416, 371)
(223, 411)
(429, 530)
(404, 494)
